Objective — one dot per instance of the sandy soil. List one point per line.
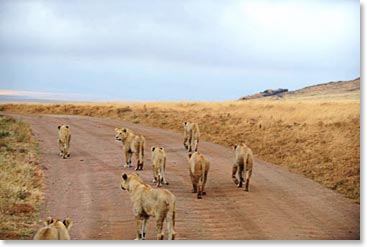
(86, 187)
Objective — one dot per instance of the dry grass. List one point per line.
(20, 180)
(318, 138)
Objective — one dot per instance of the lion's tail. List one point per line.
(250, 163)
(141, 150)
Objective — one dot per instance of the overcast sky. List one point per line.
(176, 50)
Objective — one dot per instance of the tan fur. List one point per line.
(64, 140)
(159, 159)
(191, 136)
(132, 144)
(242, 165)
(54, 230)
(199, 167)
(158, 203)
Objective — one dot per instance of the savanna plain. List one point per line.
(319, 138)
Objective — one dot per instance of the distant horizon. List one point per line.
(175, 50)
(52, 97)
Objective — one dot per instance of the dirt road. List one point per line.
(86, 187)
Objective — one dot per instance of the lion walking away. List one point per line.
(191, 136)
(149, 202)
(159, 160)
(199, 168)
(64, 140)
(132, 144)
(242, 165)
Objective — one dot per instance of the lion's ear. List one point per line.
(59, 126)
(116, 129)
(49, 220)
(124, 176)
(189, 155)
(124, 130)
(67, 126)
(161, 148)
(68, 223)
(235, 146)
(185, 123)
(152, 148)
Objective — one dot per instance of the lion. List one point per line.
(158, 203)
(54, 230)
(132, 144)
(243, 164)
(159, 165)
(64, 140)
(199, 167)
(191, 136)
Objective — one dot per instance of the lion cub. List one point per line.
(64, 140)
(199, 167)
(159, 165)
(54, 230)
(242, 165)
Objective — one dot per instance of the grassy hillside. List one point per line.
(20, 180)
(339, 90)
(318, 138)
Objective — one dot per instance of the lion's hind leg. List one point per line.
(194, 183)
(137, 162)
(249, 166)
(144, 228)
(204, 182)
(234, 173)
(159, 179)
(249, 173)
(61, 149)
(171, 225)
(160, 220)
(190, 144)
(128, 155)
(185, 143)
(68, 147)
(240, 175)
(140, 154)
(200, 188)
(163, 168)
(138, 221)
(195, 144)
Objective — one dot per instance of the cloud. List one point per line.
(55, 43)
(206, 33)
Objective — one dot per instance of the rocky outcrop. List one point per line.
(266, 93)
